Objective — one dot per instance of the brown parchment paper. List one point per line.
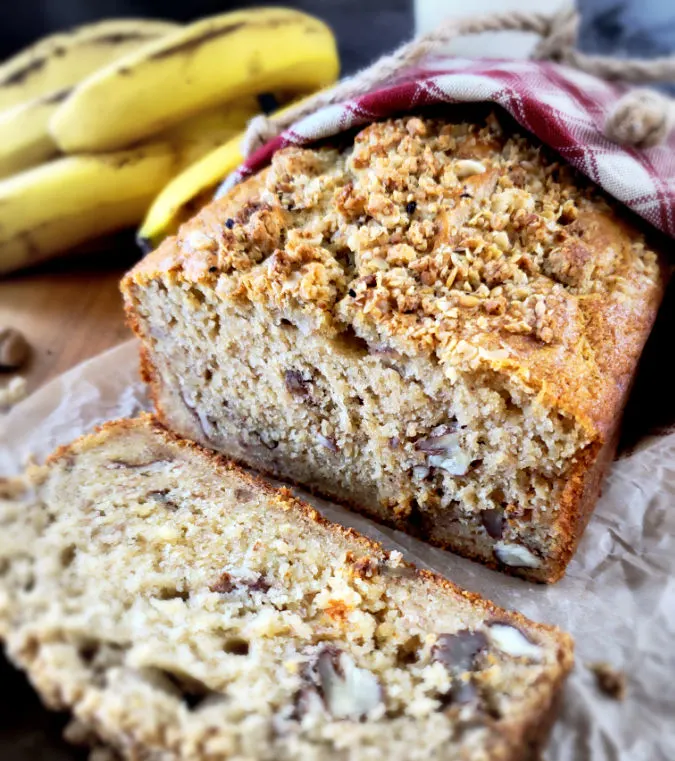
(617, 600)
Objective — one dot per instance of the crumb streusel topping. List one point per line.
(461, 240)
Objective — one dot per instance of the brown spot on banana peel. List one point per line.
(212, 34)
(120, 37)
(127, 158)
(57, 97)
(20, 76)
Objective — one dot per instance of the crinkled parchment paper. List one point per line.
(617, 600)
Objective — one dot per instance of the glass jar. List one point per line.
(428, 13)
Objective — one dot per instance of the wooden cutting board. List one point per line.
(68, 310)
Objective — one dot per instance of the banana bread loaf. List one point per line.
(183, 610)
(434, 322)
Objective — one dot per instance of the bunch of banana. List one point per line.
(113, 137)
(224, 57)
(36, 81)
(62, 60)
(58, 205)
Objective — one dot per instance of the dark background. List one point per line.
(365, 29)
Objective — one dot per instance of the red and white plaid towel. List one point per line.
(563, 107)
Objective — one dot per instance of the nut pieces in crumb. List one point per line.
(512, 641)
(349, 692)
(14, 349)
(444, 451)
(493, 520)
(365, 567)
(468, 167)
(458, 652)
(515, 555)
(296, 384)
(326, 442)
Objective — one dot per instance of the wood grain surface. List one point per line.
(68, 310)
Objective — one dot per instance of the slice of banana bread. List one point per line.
(183, 610)
(436, 323)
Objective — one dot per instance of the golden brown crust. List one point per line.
(536, 733)
(582, 493)
(464, 242)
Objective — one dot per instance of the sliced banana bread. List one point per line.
(183, 610)
(436, 323)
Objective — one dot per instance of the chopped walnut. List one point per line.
(610, 681)
(223, 584)
(364, 567)
(14, 349)
(14, 391)
(227, 583)
(468, 167)
(296, 383)
(348, 692)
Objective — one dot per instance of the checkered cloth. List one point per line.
(563, 107)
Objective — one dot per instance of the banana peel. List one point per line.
(214, 60)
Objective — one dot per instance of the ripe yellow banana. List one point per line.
(63, 203)
(24, 133)
(61, 60)
(191, 189)
(56, 206)
(25, 140)
(187, 192)
(206, 63)
(199, 134)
